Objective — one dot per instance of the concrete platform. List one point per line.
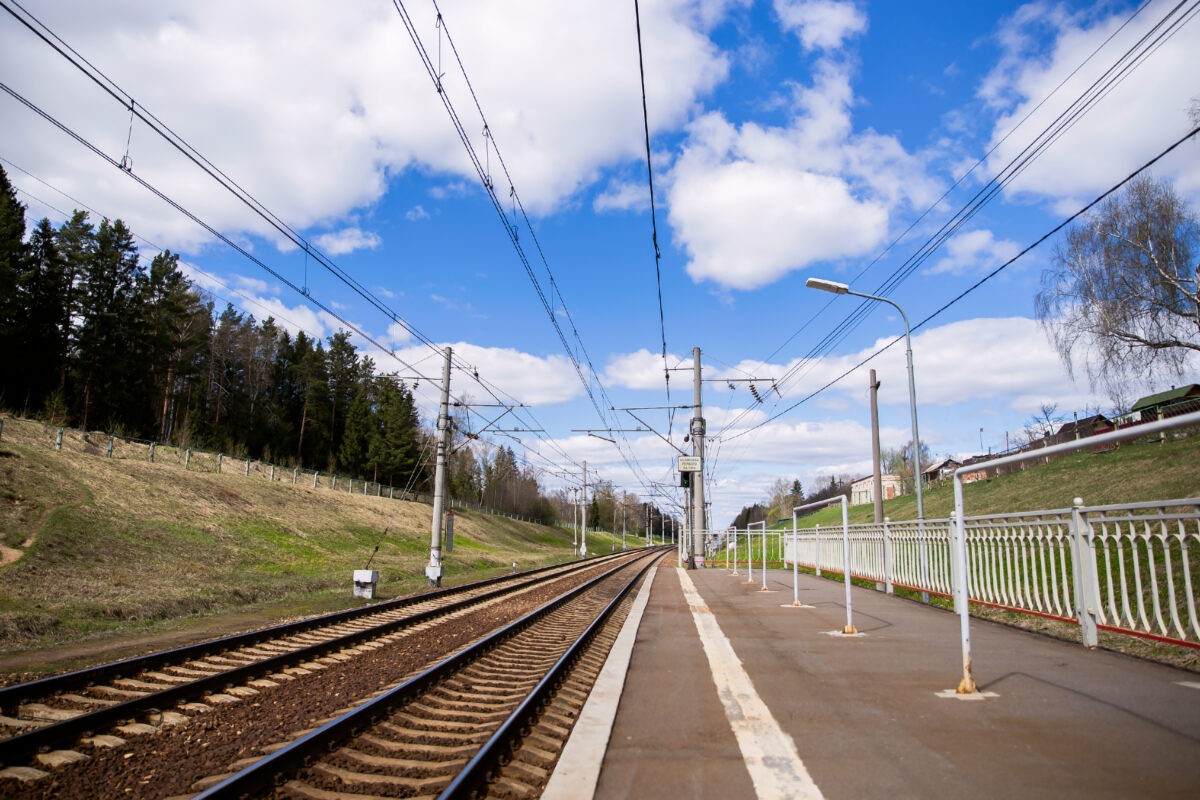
(730, 692)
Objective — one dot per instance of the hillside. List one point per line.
(1137, 470)
(97, 549)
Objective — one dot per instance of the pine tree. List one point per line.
(106, 357)
(13, 255)
(45, 316)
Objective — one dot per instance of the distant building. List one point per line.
(1082, 428)
(862, 491)
(1163, 404)
(941, 470)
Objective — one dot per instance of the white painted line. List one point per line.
(769, 753)
(951, 694)
(1189, 684)
(578, 769)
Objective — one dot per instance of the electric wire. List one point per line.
(147, 117)
(662, 324)
(624, 448)
(1150, 41)
(1027, 249)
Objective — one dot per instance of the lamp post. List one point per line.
(841, 288)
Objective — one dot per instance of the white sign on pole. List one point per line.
(689, 463)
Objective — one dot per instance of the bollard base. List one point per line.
(850, 630)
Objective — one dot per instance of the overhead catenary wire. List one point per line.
(483, 171)
(1027, 249)
(206, 226)
(1166, 27)
(193, 155)
(662, 324)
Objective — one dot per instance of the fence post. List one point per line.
(152, 452)
(954, 566)
(58, 440)
(315, 474)
(334, 484)
(219, 459)
(272, 472)
(247, 468)
(1083, 558)
(391, 493)
(111, 439)
(187, 458)
(1, 429)
(887, 558)
(817, 560)
(295, 475)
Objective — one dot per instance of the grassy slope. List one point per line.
(116, 548)
(126, 546)
(1135, 471)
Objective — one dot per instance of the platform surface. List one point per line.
(737, 694)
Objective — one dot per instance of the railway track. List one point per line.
(182, 722)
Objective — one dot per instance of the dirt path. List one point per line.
(9, 554)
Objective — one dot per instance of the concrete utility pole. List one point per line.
(878, 474)
(583, 515)
(624, 505)
(697, 432)
(434, 571)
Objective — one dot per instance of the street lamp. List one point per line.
(840, 288)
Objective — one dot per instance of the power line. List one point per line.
(113, 90)
(1159, 33)
(980, 282)
(653, 217)
(483, 171)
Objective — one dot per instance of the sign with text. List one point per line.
(689, 463)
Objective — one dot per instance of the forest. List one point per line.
(93, 336)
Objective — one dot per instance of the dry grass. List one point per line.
(124, 545)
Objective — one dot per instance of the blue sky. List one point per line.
(790, 139)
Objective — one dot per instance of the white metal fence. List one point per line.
(1133, 568)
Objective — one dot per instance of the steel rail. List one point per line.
(20, 748)
(12, 696)
(482, 767)
(272, 770)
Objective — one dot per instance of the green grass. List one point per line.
(1135, 471)
(123, 547)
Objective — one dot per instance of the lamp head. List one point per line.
(827, 286)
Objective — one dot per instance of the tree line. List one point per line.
(93, 336)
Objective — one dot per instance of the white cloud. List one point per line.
(250, 284)
(638, 370)
(416, 214)
(624, 196)
(397, 334)
(973, 251)
(748, 224)
(312, 106)
(821, 24)
(347, 240)
(533, 380)
(751, 203)
(1129, 125)
(970, 361)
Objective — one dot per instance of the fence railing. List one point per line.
(117, 447)
(1134, 567)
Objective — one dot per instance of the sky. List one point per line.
(473, 174)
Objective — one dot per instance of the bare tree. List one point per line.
(1121, 296)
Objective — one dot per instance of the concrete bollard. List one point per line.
(365, 582)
